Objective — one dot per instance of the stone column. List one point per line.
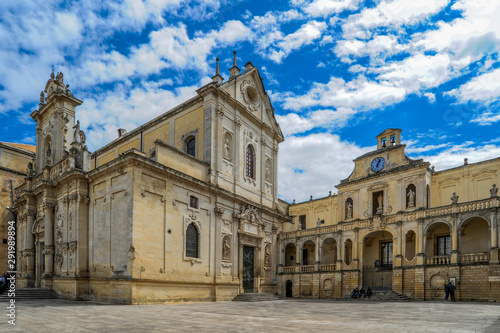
(399, 245)
(317, 253)
(454, 242)
(29, 245)
(340, 252)
(240, 266)
(494, 255)
(49, 240)
(298, 260)
(355, 247)
(420, 243)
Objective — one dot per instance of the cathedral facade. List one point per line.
(184, 207)
(397, 224)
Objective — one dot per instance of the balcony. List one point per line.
(474, 258)
(437, 260)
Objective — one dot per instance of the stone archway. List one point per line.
(474, 240)
(378, 257)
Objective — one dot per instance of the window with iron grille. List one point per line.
(193, 202)
(192, 241)
(250, 162)
(443, 245)
(386, 254)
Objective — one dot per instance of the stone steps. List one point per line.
(382, 296)
(28, 294)
(256, 297)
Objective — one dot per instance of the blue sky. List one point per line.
(338, 72)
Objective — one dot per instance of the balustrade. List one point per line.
(438, 260)
(473, 258)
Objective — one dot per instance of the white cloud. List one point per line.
(391, 14)
(314, 164)
(309, 32)
(430, 97)
(326, 7)
(293, 123)
(484, 88)
(454, 156)
(360, 93)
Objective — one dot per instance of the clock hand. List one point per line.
(378, 163)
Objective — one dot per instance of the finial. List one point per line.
(217, 72)
(311, 198)
(52, 75)
(234, 59)
(330, 193)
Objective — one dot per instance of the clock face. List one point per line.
(378, 164)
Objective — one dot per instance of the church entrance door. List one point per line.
(248, 269)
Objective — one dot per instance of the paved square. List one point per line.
(275, 316)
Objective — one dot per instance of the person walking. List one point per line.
(451, 288)
(447, 291)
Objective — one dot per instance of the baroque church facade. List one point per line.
(397, 224)
(184, 207)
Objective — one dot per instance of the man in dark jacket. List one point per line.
(452, 288)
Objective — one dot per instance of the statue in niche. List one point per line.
(349, 210)
(268, 171)
(267, 256)
(380, 208)
(227, 149)
(411, 198)
(225, 249)
(494, 191)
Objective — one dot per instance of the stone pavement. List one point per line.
(275, 316)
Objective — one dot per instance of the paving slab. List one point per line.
(55, 315)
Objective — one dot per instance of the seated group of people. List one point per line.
(3, 282)
(361, 293)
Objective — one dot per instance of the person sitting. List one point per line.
(355, 293)
(369, 292)
(362, 292)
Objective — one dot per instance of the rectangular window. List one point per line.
(443, 245)
(386, 254)
(193, 202)
(302, 221)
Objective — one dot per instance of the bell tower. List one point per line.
(55, 120)
(389, 137)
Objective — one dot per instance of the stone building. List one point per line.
(184, 207)
(14, 157)
(397, 224)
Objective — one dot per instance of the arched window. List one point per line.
(191, 146)
(192, 241)
(250, 162)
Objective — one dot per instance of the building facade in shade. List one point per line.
(14, 158)
(184, 207)
(397, 224)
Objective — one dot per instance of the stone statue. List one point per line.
(411, 198)
(349, 210)
(267, 256)
(227, 149)
(76, 133)
(494, 191)
(454, 198)
(268, 172)
(225, 249)
(42, 97)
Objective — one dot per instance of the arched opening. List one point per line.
(192, 241)
(308, 253)
(410, 245)
(438, 244)
(378, 257)
(474, 240)
(290, 253)
(329, 252)
(289, 288)
(348, 252)
(191, 146)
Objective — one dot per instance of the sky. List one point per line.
(338, 72)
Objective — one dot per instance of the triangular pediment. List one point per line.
(248, 89)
